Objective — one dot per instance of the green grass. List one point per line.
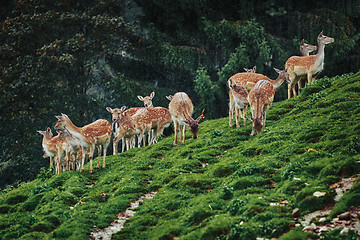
(308, 144)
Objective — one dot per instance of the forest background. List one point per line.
(78, 57)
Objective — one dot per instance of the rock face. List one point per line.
(346, 221)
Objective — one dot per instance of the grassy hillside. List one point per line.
(224, 185)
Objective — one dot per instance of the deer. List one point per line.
(238, 101)
(305, 50)
(55, 148)
(97, 134)
(307, 66)
(181, 109)
(251, 70)
(75, 149)
(123, 128)
(147, 100)
(260, 99)
(148, 104)
(249, 79)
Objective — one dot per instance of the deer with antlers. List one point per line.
(181, 108)
(94, 134)
(307, 66)
(260, 99)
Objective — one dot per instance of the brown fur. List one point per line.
(260, 99)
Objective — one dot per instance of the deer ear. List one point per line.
(277, 70)
(152, 95)
(140, 98)
(254, 69)
(109, 109)
(321, 34)
(170, 97)
(302, 42)
(122, 108)
(41, 132)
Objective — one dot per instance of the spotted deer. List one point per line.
(181, 109)
(260, 99)
(154, 119)
(123, 128)
(147, 100)
(75, 149)
(238, 101)
(249, 79)
(94, 134)
(55, 148)
(307, 66)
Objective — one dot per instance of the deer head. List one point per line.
(62, 121)
(194, 124)
(324, 39)
(47, 134)
(116, 112)
(305, 48)
(147, 100)
(250, 70)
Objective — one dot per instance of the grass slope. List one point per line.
(219, 186)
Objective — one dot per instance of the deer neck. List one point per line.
(77, 133)
(320, 55)
(278, 81)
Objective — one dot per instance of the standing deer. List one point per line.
(147, 100)
(305, 50)
(238, 101)
(249, 79)
(75, 149)
(123, 128)
(181, 108)
(49, 147)
(94, 134)
(308, 66)
(260, 99)
(55, 148)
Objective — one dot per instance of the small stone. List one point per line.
(345, 231)
(319, 194)
(321, 220)
(323, 229)
(295, 213)
(310, 228)
(345, 216)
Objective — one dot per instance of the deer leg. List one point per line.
(309, 77)
(183, 133)
(91, 155)
(99, 155)
(237, 116)
(122, 144)
(115, 145)
(84, 150)
(176, 126)
(51, 161)
(244, 115)
(299, 86)
(231, 108)
(104, 153)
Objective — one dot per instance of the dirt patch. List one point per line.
(122, 217)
